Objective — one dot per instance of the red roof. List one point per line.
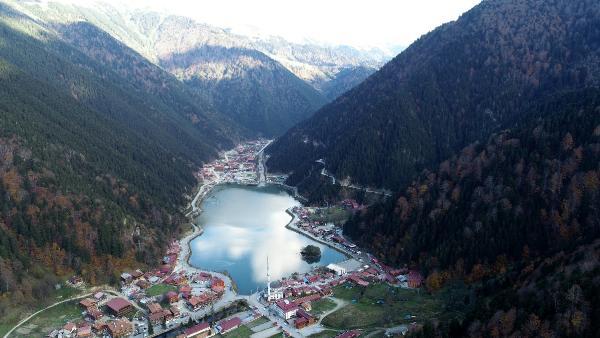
(229, 324)
(118, 304)
(349, 334)
(286, 305)
(197, 329)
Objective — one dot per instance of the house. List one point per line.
(154, 308)
(303, 319)
(98, 296)
(84, 331)
(195, 303)
(356, 280)
(201, 330)
(229, 325)
(119, 307)
(172, 297)
(175, 311)
(126, 277)
(156, 318)
(94, 313)
(75, 280)
(349, 334)
(120, 328)
(285, 309)
(414, 279)
(87, 303)
(70, 329)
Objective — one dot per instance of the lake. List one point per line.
(242, 226)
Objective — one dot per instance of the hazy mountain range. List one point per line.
(268, 84)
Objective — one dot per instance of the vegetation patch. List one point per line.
(48, 320)
(159, 289)
(241, 332)
(385, 306)
(322, 305)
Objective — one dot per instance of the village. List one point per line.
(179, 300)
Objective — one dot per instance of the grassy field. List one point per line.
(325, 334)
(19, 312)
(48, 320)
(159, 289)
(241, 332)
(321, 306)
(258, 322)
(334, 215)
(384, 306)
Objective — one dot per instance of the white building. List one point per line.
(285, 309)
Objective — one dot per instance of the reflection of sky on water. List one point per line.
(245, 225)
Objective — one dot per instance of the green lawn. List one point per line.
(241, 332)
(325, 334)
(48, 320)
(258, 322)
(321, 306)
(384, 306)
(159, 289)
(17, 313)
(334, 215)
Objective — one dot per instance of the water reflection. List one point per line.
(244, 225)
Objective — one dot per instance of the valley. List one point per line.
(185, 169)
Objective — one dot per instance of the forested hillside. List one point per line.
(267, 85)
(451, 87)
(96, 155)
(496, 211)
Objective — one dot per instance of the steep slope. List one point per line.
(268, 84)
(243, 83)
(451, 87)
(536, 187)
(95, 158)
(345, 80)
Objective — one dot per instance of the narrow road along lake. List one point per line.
(242, 226)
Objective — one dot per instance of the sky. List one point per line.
(386, 24)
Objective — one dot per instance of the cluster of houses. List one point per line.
(234, 166)
(104, 316)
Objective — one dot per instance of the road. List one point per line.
(326, 173)
(262, 171)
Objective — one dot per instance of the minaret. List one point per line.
(268, 281)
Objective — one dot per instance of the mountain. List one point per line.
(243, 83)
(267, 84)
(506, 213)
(345, 80)
(451, 87)
(98, 148)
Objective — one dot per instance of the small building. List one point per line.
(175, 311)
(87, 303)
(201, 330)
(119, 307)
(358, 281)
(156, 318)
(414, 279)
(303, 319)
(120, 328)
(286, 309)
(70, 328)
(154, 308)
(172, 297)
(98, 296)
(349, 334)
(229, 325)
(84, 331)
(94, 313)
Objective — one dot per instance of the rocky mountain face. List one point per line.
(268, 84)
(451, 87)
